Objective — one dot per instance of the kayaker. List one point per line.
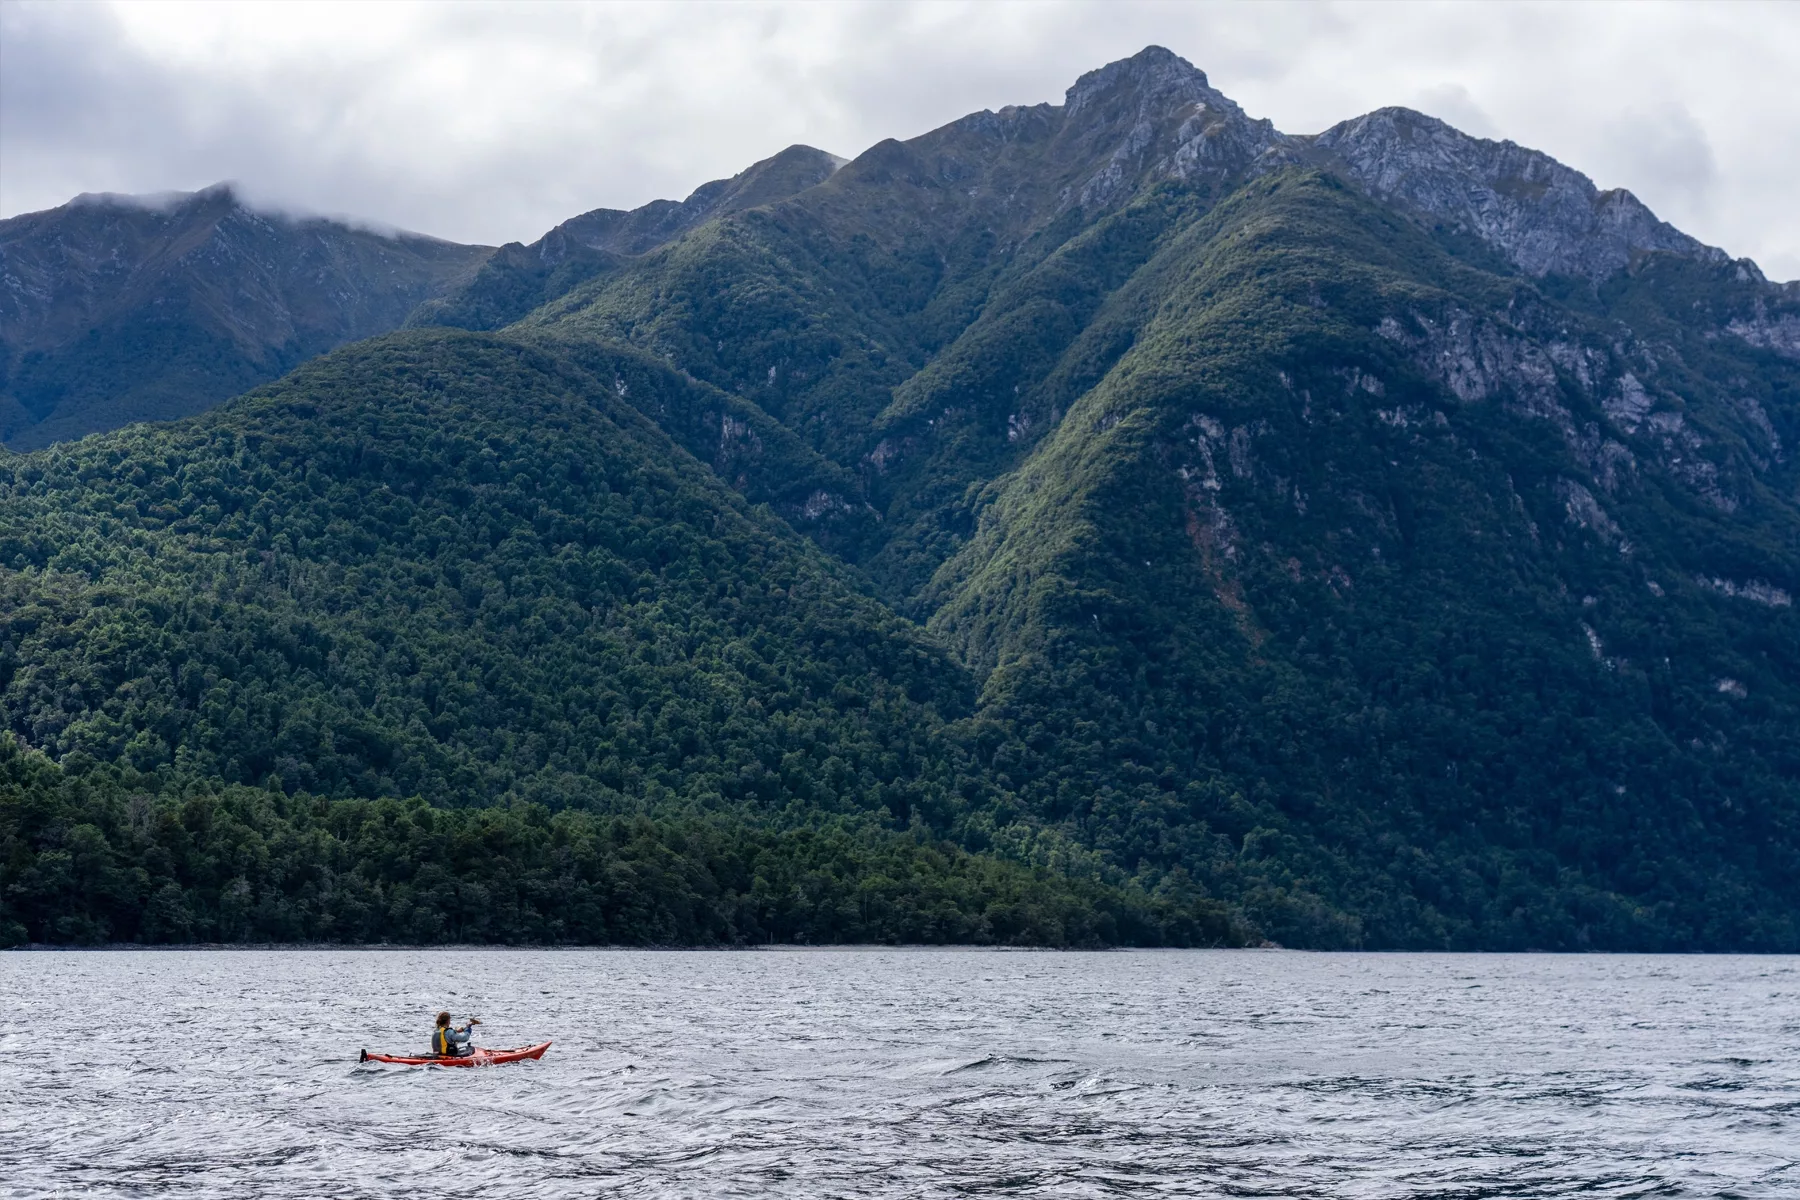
(447, 1042)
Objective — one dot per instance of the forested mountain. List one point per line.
(453, 566)
(519, 278)
(116, 309)
(1380, 537)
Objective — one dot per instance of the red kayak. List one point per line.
(476, 1058)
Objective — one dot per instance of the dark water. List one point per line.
(902, 1073)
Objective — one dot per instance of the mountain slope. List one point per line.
(460, 567)
(852, 283)
(1305, 656)
(1368, 567)
(519, 278)
(452, 565)
(1385, 533)
(119, 309)
(819, 307)
(906, 316)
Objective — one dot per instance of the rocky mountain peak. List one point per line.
(1540, 215)
(774, 178)
(1154, 116)
(1152, 75)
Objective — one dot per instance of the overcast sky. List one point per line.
(491, 123)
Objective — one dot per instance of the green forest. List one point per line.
(450, 566)
(112, 856)
(1211, 561)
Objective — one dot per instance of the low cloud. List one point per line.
(1669, 154)
(490, 123)
(1453, 103)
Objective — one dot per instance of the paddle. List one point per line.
(362, 1055)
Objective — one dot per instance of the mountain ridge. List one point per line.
(1179, 129)
(115, 309)
(518, 277)
(1382, 534)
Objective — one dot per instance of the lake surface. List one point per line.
(916, 1073)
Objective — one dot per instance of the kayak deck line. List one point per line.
(480, 1057)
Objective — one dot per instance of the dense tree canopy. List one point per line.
(1017, 521)
(99, 857)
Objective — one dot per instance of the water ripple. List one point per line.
(902, 1073)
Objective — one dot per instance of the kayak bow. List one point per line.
(479, 1057)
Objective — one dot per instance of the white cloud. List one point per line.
(1452, 102)
(489, 123)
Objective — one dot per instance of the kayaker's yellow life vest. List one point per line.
(440, 1041)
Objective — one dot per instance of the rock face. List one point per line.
(1541, 216)
(1779, 331)
(1150, 118)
